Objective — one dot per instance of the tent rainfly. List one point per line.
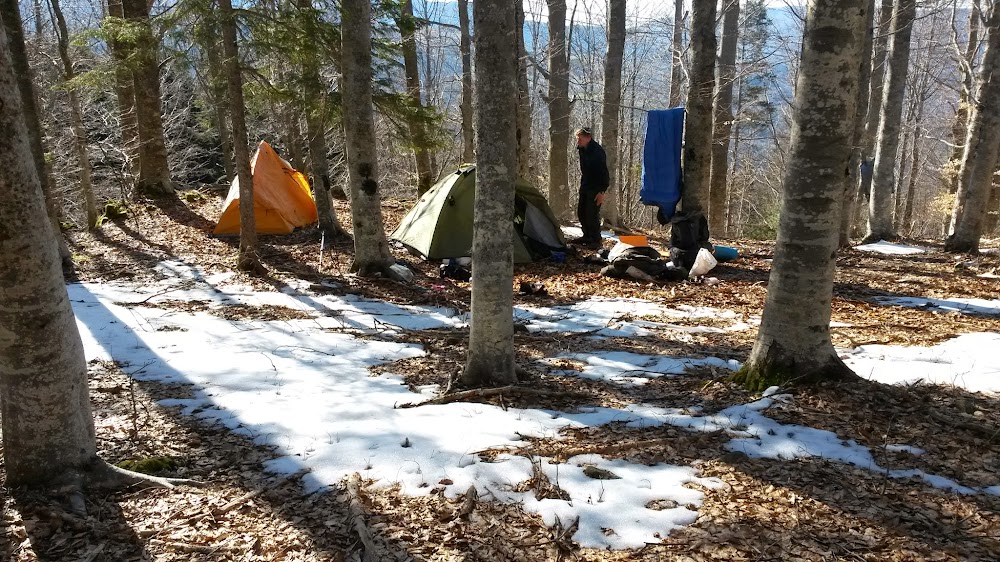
(439, 226)
(282, 200)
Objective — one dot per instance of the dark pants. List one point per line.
(589, 213)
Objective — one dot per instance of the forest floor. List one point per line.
(804, 508)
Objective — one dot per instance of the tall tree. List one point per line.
(48, 432)
(523, 99)
(698, 129)
(858, 137)
(10, 15)
(154, 171)
(874, 110)
(887, 148)
(982, 149)
(76, 118)
(725, 77)
(415, 122)
(611, 110)
(793, 342)
(960, 128)
(249, 259)
(124, 85)
(218, 88)
(491, 334)
(677, 51)
(371, 249)
(558, 101)
(316, 110)
(465, 46)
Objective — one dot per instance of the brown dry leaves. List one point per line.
(767, 510)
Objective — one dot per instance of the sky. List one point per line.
(302, 387)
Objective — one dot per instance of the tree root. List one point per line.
(101, 475)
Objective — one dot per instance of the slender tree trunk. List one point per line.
(960, 128)
(48, 432)
(322, 184)
(125, 91)
(726, 75)
(793, 342)
(316, 111)
(220, 99)
(293, 136)
(874, 109)
(982, 149)
(906, 221)
(611, 109)
(858, 136)
(154, 171)
(698, 126)
(558, 100)
(415, 123)
(993, 208)
(76, 118)
(523, 100)
(465, 46)
(884, 178)
(491, 334)
(249, 259)
(39, 27)
(10, 14)
(677, 60)
(371, 249)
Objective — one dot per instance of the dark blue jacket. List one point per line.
(594, 175)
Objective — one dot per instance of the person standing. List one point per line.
(594, 181)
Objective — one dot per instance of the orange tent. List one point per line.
(282, 200)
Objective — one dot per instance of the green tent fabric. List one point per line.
(439, 226)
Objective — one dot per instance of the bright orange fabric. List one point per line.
(282, 200)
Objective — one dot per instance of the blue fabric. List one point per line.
(661, 160)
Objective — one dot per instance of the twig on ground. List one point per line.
(465, 395)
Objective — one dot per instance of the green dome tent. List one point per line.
(439, 226)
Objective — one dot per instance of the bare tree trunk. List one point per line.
(48, 432)
(39, 28)
(887, 149)
(726, 75)
(523, 100)
(125, 91)
(558, 100)
(698, 126)
(249, 259)
(316, 111)
(468, 137)
(293, 136)
(961, 126)
(981, 151)
(220, 99)
(911, 187)
(11, 17)
(415, 123)
(677, 60)
(491, 334)
(371, 249)
(793, 342)
(993, 208)
(154, 171)
(874, 109)
(76, 117)
(611, 109)
(857, 137)
(322, 184)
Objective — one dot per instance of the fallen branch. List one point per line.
(185, 547)
(981, 429)
(254, 493)
(93, 553)
(466, 395)
(374, 550)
